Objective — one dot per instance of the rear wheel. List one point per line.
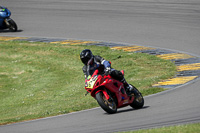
(138, 102)
(107, 105)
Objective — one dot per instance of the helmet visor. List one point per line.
(85, 60)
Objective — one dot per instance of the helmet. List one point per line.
(86, 55)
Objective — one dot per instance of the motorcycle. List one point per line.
(110, 93)
(5, 21)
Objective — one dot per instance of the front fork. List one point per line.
(7, 22)
(104, 93)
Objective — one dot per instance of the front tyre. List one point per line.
(107, 105)
(138, 102)
(12, 25)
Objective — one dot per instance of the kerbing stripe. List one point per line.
(132, 48)
(4, 38)
(188, 67)
(174, 56)
(74, 42)
(176, 81)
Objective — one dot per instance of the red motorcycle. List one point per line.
(110, 93)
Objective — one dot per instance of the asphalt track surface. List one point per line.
(170, 24)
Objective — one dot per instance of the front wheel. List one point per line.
(107, 105)
(12, 25)
(138, 102)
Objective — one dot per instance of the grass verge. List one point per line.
(188, 128)
(42, 79)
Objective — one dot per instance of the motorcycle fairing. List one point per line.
(90, 84)
(4, 13)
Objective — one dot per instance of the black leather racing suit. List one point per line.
(97, 62)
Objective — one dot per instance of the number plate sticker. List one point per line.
(91, 82)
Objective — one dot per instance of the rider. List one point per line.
(92, 62)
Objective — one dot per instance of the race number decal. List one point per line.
(91, 82)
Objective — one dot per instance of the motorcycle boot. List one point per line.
(129, 88)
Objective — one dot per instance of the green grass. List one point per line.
(42, 79)
(189, 128)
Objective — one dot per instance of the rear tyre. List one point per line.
(138, 102)
(107, 105)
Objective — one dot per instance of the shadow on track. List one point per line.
(128, 110)
(8, 31)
